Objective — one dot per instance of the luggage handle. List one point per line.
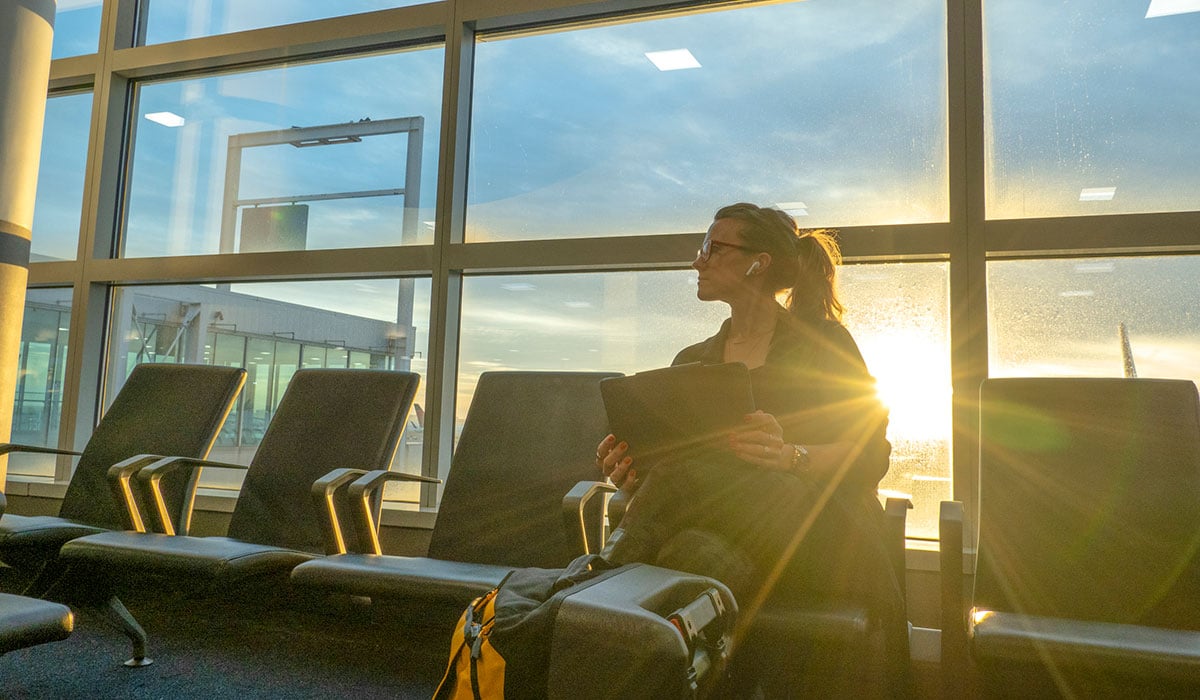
(692, 619)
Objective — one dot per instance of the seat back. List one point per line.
(527, 439)
(328, 418)
(169, 410)
(1090, 499)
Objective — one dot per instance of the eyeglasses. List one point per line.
(709, 246)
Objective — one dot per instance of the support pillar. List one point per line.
(26, 34)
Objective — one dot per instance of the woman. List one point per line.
(765, 514)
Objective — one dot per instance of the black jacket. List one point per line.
(815, 383)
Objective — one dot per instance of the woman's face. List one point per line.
(723, 261)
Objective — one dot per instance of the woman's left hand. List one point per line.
(760, 442)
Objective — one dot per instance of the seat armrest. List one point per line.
(120, 477)
(616, 507)
(7, 447)
(895, 512)
(364, 507)
(574, 523)
(955, 653)
(323, 491)
(150, 477)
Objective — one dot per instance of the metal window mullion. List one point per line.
(313, 39)
(1103, 234)
(343, 263)
(449, 228)
(968, 259)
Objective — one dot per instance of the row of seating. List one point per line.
(164, 409)
(1087, 564)
(527, 439)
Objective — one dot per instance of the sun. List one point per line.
(912, 374)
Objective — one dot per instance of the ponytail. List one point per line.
(813, 296)
(803, 262)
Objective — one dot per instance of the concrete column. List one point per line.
(26, 33)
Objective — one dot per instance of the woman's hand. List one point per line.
(760, 442)
(616, 465)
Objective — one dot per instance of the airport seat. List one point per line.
(848, 635)
(327, 418)
(1087, 570)
(161, 410)
(527, 439)
(845, 632)
(26, 622)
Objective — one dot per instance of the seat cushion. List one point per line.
(1129, 650)
(25, 622)
(196, 558)
(410, 578)
(28, 539)
(778, 625)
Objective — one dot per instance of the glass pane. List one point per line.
(900, 316)
(1091, 108)
(60, 177)
(41, 364)
(631, 321)
(172, 20)
(1052, 318)
(76, 28)
(299, 158)
(835, 110)
(261, 326)
(257, 407)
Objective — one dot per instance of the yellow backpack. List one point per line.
(472, 655)
(501, 647)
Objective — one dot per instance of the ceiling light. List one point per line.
(1097, 194)
(170, 119)
(793, 208)
(675, 59)
(518, 287)
(1162, 8)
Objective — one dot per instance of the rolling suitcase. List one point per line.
(643, 632)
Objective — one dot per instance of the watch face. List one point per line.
(799, 457)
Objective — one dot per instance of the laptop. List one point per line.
(667, 412)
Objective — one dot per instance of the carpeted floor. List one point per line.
(239, 650)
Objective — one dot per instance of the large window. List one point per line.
(475, 185)
(1091, 109)
(1095, 317)
(900, 315)
(41, 365)
(341, 154)
(833, 110)
(60, 177)
(76, 27)
(272, 329)
(633, 321)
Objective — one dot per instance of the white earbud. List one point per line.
(753, 268)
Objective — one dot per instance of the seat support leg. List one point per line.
(119, 615)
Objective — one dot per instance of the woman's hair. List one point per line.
(802, 261)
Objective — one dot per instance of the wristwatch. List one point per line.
(800, 459)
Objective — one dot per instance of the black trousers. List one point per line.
(754, 528)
